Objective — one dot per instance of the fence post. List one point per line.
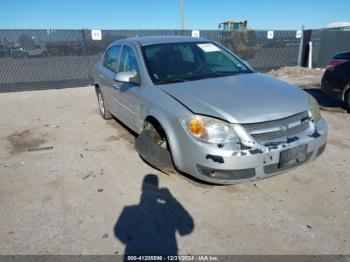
(310, 54)
(301, 46)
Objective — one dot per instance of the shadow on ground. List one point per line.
(149, 228)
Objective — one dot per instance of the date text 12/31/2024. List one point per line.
(173, 258)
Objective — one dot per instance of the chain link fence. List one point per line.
(44, 59)
(326, 43)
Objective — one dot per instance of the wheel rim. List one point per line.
(100, 103)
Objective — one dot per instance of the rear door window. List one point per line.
(112, 57)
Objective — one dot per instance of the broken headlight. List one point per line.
(314, 109)
(209, 130)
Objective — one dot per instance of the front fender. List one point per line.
(172, 128)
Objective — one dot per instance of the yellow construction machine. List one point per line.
(236, 36)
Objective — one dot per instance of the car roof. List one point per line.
(153, 40)
(345, 54)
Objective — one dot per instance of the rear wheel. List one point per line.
(102, 106)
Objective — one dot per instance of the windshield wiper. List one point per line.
(223, 73)
(170, 81)
(219, 74)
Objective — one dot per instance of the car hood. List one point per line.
(243, 98)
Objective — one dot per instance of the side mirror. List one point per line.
(128, 77)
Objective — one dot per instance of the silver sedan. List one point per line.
(200, 109)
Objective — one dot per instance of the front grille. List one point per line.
(284, 127)
(277, 134)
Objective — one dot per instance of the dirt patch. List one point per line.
(112, 138)
(123, 136)
(24, 141)
(96, 111)
(300, 76)
(124, 133)
(295, 70)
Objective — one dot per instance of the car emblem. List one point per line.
(284, 127)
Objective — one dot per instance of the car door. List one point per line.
(127, 95)
(106, 75)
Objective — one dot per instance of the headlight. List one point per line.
(209, 130)
(314, 108)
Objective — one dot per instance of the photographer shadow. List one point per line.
(149, 228)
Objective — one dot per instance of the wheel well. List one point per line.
(157, 125)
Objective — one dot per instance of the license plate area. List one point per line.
(293, 156)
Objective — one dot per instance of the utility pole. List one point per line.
(182, 15)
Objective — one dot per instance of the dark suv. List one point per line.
(336, 79)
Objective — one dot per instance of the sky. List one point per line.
(164, 14)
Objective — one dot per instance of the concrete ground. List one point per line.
(67, 197)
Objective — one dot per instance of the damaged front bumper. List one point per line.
(220, 164)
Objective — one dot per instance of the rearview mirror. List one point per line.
(128, 77)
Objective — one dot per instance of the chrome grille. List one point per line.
(284, 127)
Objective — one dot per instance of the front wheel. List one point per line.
(153, 147)
(102, 106)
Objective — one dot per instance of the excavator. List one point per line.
(236, 36)
(233, 25)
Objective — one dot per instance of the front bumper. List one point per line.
(217, 165)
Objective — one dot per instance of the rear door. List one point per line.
(108, 70)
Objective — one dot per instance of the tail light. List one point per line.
(335, 62)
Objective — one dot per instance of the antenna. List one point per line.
(182, 16)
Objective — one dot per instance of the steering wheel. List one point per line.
(200, 68)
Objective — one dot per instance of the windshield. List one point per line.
(179, 62)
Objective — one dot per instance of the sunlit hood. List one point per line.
(243, 98)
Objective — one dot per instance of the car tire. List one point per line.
(347, 100)
(159, 138)
(102, 106)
